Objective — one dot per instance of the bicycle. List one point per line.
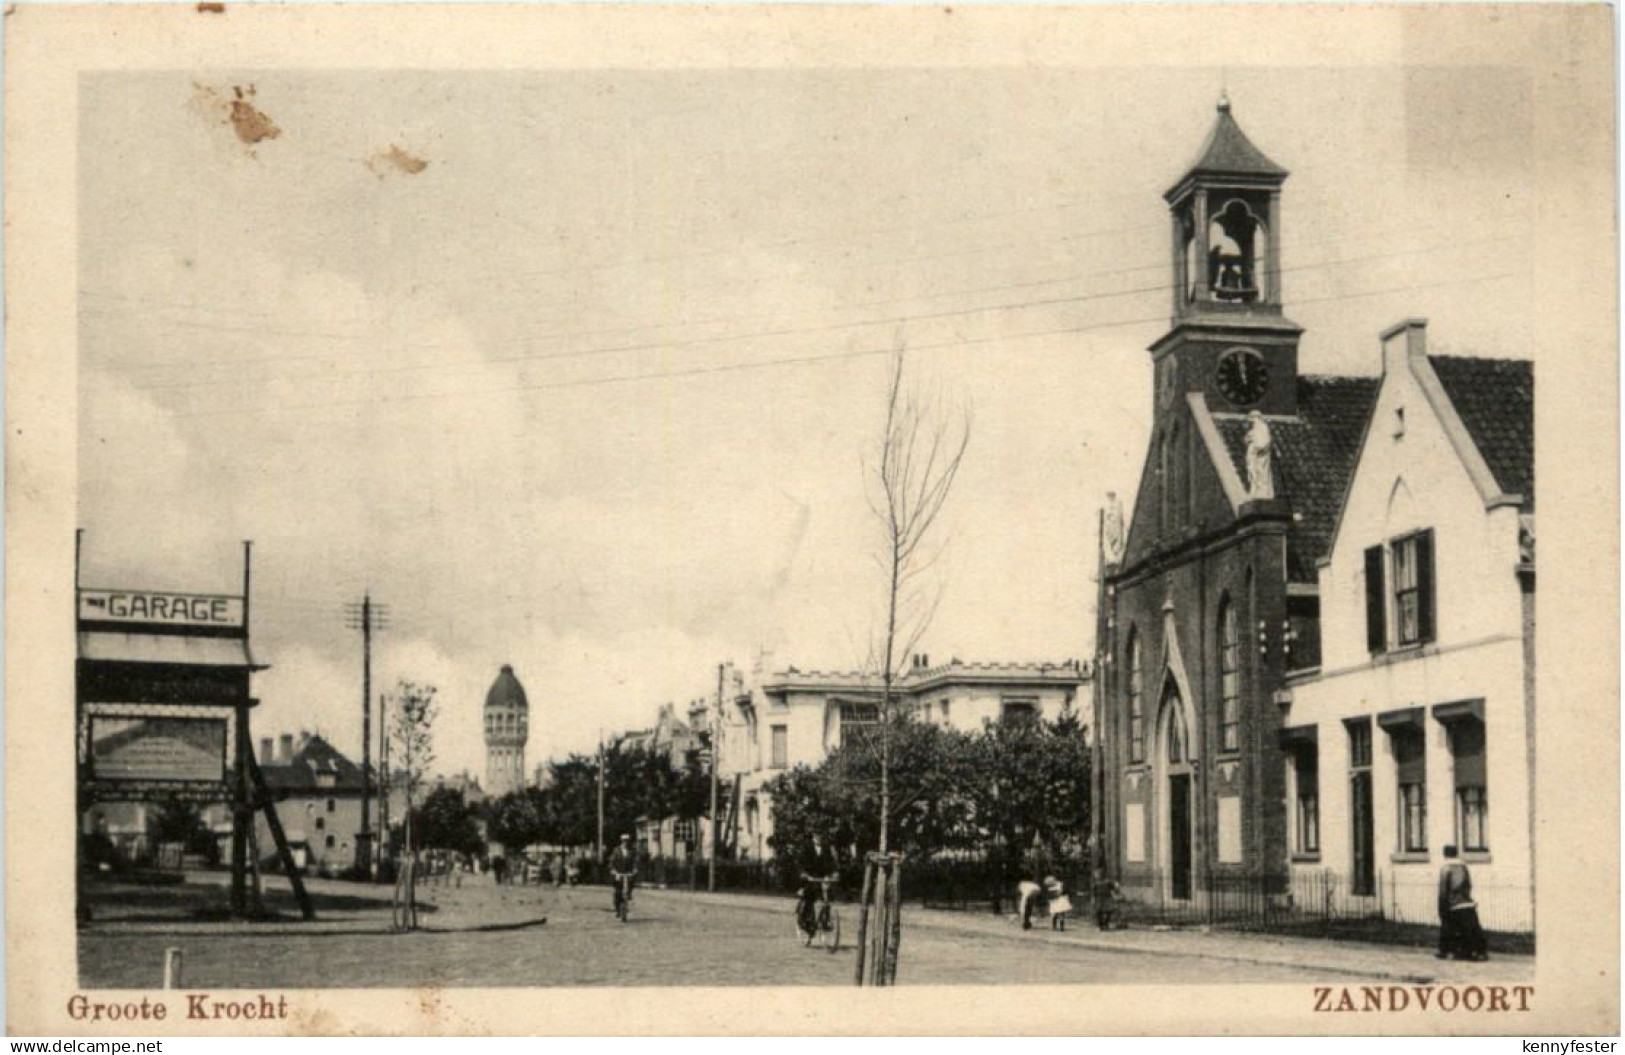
(623, 894)
(820, 922)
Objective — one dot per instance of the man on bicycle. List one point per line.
(623, 865)
(817, 865)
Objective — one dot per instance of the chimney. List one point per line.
(287, 749)
(265, 749)
(1403, 342)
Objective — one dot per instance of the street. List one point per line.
(489, 936)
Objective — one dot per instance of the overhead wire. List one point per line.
(799, 360)
(668, 345)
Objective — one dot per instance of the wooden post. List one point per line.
(894, 918)
(863, 918)
(879, 925)
(241, 817)
(307, 908)
(172, 969)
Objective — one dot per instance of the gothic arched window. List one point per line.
(1229, 678)
(1136, 701)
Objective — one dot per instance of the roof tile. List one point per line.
(1495, 399)
(1314, 459)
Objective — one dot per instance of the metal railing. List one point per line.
(1324, 902)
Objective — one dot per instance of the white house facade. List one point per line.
(792, 718)
(1416, 731)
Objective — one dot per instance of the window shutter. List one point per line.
(1376, 628)
(1410, 756)
(1467, 747)
(1424, 585)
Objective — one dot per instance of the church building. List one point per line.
(1210, 600)
(1316, 634)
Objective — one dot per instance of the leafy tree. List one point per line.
(929, 771)
(515, 820)
(691, 795)
(1035, 789)
(639, 784)
(1018, 786)
(446, 822)
(569, 806)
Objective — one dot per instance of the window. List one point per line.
(1229, 679)
(1472, 799)
(1136, 702)
(947, 708)
(1409, 604)
(1360, 745)
(331, 842)
(858, 721)
(1165, 485)
(321, 822)
(1413, 793)
(781, 746)
(1407, 622)
(1019, 713)
(683, 831)
(1307, 770)
(331, 805)
(1176, 738)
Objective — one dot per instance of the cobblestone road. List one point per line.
(487, 936)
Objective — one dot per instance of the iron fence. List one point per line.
(1396, 908)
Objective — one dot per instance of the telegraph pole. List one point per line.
(716, 751)
(598, 849)
(383, 775)
(366, 617)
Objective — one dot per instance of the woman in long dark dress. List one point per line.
(1461, 936)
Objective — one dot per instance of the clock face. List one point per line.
(1243, 376)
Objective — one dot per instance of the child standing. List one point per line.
(1059, 904)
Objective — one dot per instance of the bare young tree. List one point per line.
(414, 714)
(921, 449)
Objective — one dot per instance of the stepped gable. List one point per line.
(1495, 399)
(1314, 460)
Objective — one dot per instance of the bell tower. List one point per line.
(1228, 339)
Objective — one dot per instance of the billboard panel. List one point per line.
(157, 749)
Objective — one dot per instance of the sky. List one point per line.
(582, 371)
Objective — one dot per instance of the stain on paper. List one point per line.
(251, 124)
(383, 162)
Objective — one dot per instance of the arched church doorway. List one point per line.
(1174, 756)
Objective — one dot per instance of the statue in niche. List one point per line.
(1112, 532)
(1260, 471)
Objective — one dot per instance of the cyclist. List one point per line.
(623, 864)
(817, 865)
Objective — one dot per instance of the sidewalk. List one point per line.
(1394, 963)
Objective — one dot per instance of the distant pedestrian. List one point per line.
(1059, 903)
(1027, 895)
(1461, 936)
(499, 869)
(1106, 893)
